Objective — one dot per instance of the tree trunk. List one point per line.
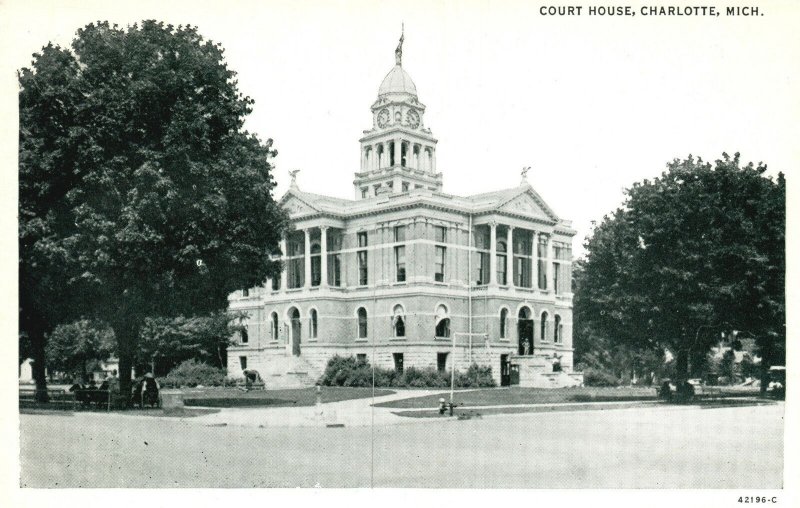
(682, 365)
(39, 367)
(127, 337)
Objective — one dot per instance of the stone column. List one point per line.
(510, 256)
(307, 259)
(433, 161)
(397, 144)
(535, 260)
(323, 235)
(493, 253)
(283, 262)
(549, 263)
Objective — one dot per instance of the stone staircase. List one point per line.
(288, 372)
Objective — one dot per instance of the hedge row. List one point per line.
(348, 371)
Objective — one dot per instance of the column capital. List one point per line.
(324, 228)
(492, 224)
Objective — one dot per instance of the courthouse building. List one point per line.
(394, 275)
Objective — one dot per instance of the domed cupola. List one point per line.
(399, 153)
(397, 82)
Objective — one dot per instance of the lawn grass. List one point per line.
(518, 395)
(232, 397)
(464, 413)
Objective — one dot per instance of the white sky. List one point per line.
(592, 103)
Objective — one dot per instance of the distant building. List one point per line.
(402, 268)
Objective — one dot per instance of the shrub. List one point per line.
(348, 371)
(192, 373)
(597, 377)
(476, 376)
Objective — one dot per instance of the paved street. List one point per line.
(672, 447)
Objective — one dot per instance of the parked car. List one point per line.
(777, 381)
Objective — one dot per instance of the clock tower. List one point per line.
(398, 154)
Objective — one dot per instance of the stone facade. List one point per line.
(403, 269)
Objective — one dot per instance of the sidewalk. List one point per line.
(350, 413)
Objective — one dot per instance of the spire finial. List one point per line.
(398, 53)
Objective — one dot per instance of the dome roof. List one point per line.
(397, 82)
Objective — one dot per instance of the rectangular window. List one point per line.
(541, 265)
(483, 268)
(296, 273)
(398, 362)
(405, 186)
(364, 192)
(400, 263)
(556, 278)
(362, 239)
(441, 362)
(361, 358)
(440, 234)
(276, 283)
(243, 362)
(335, 270)
(439, 263)
(245, 293)
(501, 269)
(245, 335)
(316, 269)
(362, 268)
(399, 233)
(522, 272)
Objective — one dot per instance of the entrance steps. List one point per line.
(286, 371)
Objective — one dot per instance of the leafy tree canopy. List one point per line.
(166, 342)
(71, 346)
(139, 189)
(696, 251)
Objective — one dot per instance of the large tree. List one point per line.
(693, 253)
(140, 192)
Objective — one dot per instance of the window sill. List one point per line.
(312, 340)
(400, 283)
(503, 340)
(397, 339)
(361, 340)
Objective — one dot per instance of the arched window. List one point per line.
(274, 325)
(557, 329)
(312, 326)
(503, 323)
(543, 327)
(398, 321)
(362, 323)
(501, 263)
(442, 322)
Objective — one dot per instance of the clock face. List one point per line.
(412, 117)
(383, 118)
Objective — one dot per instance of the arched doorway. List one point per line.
(525, 331)
(296, 327)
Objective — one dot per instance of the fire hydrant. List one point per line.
(443, 406)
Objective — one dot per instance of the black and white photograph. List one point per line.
(534, 250)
